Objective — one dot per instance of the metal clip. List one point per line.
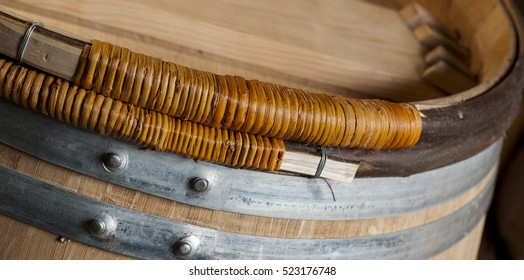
(322, 163)
(25, 40)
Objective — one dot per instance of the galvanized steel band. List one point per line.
(141, 235)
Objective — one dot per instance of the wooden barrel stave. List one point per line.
(421, 208)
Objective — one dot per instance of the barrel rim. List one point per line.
(235, 190)
(452, 133)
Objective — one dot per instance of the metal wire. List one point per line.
(25, 40)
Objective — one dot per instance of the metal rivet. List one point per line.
(115, 161)
(199, 184)
(97, 226)
(186, 247)
(102, 226)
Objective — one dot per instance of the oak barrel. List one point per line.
(66, 193)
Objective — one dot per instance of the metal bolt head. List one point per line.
(102, 227)
(97, 226)
(114, 161)
(199, 184)
(184, 249)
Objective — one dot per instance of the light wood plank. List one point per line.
(441, 53)
(447, 77)
(307, 164)
(52, 56)
(380, 58)
(431, 38)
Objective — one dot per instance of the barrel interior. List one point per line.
(482, 27)
(353, 48)
(361, 48)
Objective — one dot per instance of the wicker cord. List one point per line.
(74, 105)
(251, 106)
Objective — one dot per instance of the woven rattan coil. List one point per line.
(74, 105)
(251, 106)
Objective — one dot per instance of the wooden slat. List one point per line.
(443, 75)
(431, 38)
(307, 164)
(415, 16)
(51, 55)
(441, 53)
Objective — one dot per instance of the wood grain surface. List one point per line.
(337, 52)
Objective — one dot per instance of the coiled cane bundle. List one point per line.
(74, 105)
(251, 106)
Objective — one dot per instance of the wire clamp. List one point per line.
(322, 162)
(27, 36)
